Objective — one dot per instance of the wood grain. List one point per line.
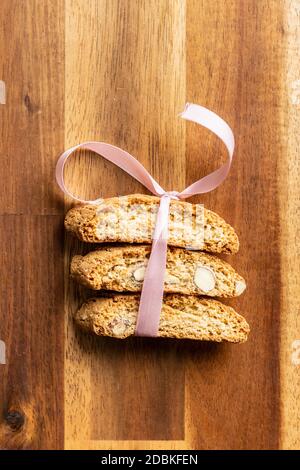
(240, 69)
(132, 89)
(120, 71)
(31, 257)
(32, 53)
(31, 391)
(288, 181)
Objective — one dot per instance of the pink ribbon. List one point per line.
(153, 285)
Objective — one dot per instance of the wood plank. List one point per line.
(76, 80)
(31, 385)
(32, 51)
(31, 258)
(126, 445)
(125, 85)
(233, 51)
(289, 171)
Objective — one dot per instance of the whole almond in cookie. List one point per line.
(123, 268)
(205, 279)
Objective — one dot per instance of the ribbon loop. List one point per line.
(153, 286)
(115, 155)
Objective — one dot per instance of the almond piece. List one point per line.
(170, 279)
(119, 329)
(205, 279)
(240, 286)
(139, 274)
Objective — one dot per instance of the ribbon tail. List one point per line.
(153, 286)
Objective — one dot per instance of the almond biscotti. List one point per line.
(188, 272)
(188, 317)
(131, 219)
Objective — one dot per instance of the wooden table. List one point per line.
(120, 71)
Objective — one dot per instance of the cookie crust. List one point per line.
(122, 269)
(189, 317)
(131, 219)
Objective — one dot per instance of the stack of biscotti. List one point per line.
(193, 276)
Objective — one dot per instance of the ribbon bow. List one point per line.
(153, 285)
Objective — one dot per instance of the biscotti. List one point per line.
(188, 272)
(131, 219)
(182, 316)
